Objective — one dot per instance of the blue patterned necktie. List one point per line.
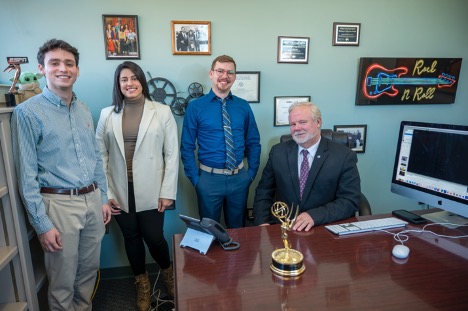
(304, 171)
(230, 156)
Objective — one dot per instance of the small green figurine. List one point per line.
(28, 85)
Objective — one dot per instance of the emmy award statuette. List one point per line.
(286, 261)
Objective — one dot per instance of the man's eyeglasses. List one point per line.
(221, 72)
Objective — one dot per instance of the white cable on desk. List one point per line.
(402, 237)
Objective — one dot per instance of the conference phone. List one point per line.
(210, 227)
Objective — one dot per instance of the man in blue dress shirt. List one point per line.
(61, 178)
(219, 187)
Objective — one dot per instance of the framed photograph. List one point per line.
(357, 135)
(121, 36)
(191, 37)
(247, 86)
(346, 34)
(282, 104)
(293, 50)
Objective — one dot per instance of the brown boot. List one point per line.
(168, 279)
(143, 292)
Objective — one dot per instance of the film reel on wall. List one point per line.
(163, 91)
(178, 106)
(195, 90)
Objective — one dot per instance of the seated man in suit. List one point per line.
(312, 172)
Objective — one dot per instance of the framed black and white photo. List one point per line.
(346, 34)
(357, 135)
(282, 104)
(121, 36)
(293, 50)
(191, 37)
(247, 86)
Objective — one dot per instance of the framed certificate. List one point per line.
(346, 34)
(293, 50)
(247, 86)
(282, 104)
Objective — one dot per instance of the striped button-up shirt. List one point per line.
(54, 146)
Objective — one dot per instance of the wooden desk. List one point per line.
(354, 272)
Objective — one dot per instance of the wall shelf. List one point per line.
(18, 286)
(17, 306)
(7, 253)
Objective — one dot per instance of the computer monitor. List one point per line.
(431, 166)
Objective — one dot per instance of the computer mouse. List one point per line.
(400, 251)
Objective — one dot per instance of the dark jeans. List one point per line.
(147, 226)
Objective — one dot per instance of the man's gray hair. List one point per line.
(313, 108)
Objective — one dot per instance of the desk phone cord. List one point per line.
(230, 245)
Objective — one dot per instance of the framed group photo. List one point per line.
(282, 104)
(247, 86)
(293, 50)
(191, 37)
(357, 135)
(121, 36)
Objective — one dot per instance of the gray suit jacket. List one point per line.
(332, 191)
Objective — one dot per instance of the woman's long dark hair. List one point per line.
(117, 96)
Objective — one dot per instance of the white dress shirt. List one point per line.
(312, 151)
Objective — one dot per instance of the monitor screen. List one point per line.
(431, 165)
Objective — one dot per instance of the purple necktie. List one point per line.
(304, 171)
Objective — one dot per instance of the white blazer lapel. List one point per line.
(148, 113)
(117, 127)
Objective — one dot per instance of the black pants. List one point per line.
(147, 226)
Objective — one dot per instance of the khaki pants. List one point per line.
(72, 270)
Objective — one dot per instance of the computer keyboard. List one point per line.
(366, 225)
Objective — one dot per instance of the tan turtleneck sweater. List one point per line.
(132, 113)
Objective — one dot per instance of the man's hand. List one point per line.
(106, 213)
(114, 207)
(303, 222)
(163, 204)
(51, 241)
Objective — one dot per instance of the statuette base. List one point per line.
(287, 262)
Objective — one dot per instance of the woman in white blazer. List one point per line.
(139, 145)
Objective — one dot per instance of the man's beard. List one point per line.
(302, 139)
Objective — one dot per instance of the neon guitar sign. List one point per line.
(380, 80)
